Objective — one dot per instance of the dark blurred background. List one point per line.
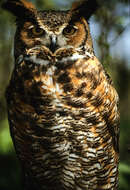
(110, 29)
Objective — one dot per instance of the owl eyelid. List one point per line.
(75, 27)
(30, 27)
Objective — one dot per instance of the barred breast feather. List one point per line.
(63, 122)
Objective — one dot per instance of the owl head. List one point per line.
(54, 33)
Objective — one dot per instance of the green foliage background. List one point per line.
(112, 19)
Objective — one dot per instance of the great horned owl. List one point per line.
(62, 106)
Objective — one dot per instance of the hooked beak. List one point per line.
(53, 44)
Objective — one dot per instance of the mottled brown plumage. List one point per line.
(62, 105)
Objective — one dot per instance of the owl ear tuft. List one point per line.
(20, 8)
(84, 8)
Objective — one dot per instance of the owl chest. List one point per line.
(62, 132)
(45, 100)
(50, 98)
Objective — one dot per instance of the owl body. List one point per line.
(62, 106)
